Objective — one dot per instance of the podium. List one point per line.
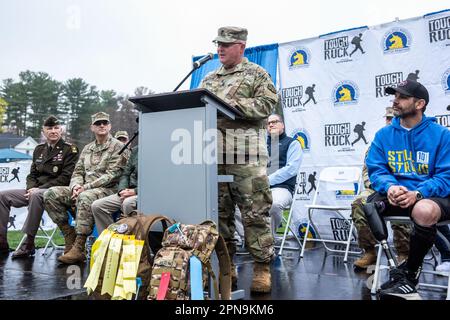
(177, 167)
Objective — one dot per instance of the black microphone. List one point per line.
(197, 64)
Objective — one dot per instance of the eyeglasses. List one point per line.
(273, 122)
(101, 122)
(225, 45)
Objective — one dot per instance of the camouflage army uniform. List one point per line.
(248, 88)
(98, 170)
(366, 239)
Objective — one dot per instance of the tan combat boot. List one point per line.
(69, 236)
(262, 281)
(76, 254)
(369, 258)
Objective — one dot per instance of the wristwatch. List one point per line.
(419, 196)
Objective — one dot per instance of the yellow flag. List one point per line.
(111, 265)
(92, 280)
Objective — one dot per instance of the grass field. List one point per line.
(14, 238)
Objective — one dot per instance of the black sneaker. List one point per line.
(395, 275)
(402, 286)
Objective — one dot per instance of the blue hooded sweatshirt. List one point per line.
(418, 159)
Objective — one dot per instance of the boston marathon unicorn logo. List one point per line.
(446, 81)
(302, 230)
(299, 58)
(396, 40)
(345, 92)
(302, 136)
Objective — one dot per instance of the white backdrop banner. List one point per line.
(332, 90)
(13, 175)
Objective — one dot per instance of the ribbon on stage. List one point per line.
(195, 266)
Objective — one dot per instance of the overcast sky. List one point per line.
(123, 44)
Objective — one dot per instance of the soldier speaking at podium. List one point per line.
(248, 88)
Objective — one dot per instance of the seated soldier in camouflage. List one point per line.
(96, 175)
(366, 240)
(125, 199)
(122, 136)
(53, 163)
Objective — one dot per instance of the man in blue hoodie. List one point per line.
(409, 168)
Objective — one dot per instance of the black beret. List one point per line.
(52, 121)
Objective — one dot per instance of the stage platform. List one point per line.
(318, 276)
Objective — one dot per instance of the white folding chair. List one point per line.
(379, 266)
(288, 223)
(287, 229)
(333, 179)
(47, 236)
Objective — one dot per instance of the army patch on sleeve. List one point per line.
(74, 149)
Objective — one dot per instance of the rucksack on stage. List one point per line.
(182, 266)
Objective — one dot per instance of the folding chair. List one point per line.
(334, 179)
(288, 223)
(47, 236)
(379, 267)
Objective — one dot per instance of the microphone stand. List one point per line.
(129, 141)
(195, 67)
(187, 76)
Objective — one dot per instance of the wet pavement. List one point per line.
(318, 276)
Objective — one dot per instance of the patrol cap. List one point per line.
(389, 112)
(231, 35)
(121, 134)
(99, 116)
(410, 88)
(52, 121)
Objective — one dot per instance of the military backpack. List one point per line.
(182, 246)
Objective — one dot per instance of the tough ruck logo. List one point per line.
(306, 185)
(443, 120)
(386, 80)
(392, 79)
(341, 229)
(343, 136)
(4, 173)
(341, 49)
(439, 30)
(345, 93)
(396, 40)
(336, 48)
(299, 58)
(291, 98)
(338, 135)
(303, 137)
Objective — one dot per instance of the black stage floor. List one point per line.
(318, 276)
